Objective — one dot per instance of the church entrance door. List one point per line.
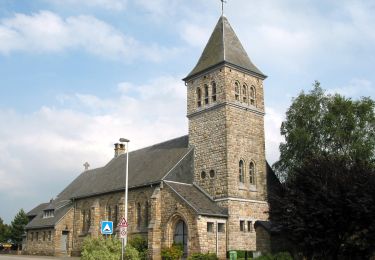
(181, 235)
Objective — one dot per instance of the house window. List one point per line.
(242, 225)
(139, 215)
(115, 217)
(205, 94)
(244, 94)
(109, 213)
(44, 236)
(252, 96)
(241, 171)
(37, 236)
(203, 175)
(146, 213)
(252, 173)
(210, 226)
(32, 236)
(48, 213)
(49, 235)
(86, 220)
(199, 97)
(212, 174)
(237, 91)
(221, 227)
(213, 91)
(250, 226)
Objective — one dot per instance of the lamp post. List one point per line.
(124, 241)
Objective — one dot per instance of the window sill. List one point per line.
(253, 188)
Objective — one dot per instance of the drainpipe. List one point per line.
(217, 239)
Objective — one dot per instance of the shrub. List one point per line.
(175, 252)
(201, 256)
(140, 243)
(278, 256)
(106, 248)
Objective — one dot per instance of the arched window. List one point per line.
(86, 220)
(139, 215)
(115, 216)
(237, 91)
(109, 213)
(252, 96)
(205, 94)
(252, 173)
(146, 214)
(213, 91)
(241, 171)
(244, 93)
(199, 97)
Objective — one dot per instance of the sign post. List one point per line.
(123, 225)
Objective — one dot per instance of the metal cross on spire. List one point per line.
(222, 6)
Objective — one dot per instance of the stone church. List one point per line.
(206, 190)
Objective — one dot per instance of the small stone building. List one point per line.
(204, 190)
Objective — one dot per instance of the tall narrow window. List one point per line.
(115, 217)
(252, 173)
(244, 93)
(205, 94)
(139, 215)
(146, 213)
(242, 225)
(252, 96)
(237, 91)
(213, 91)
(109, 213)
(44, 236)
(250, 226)
(199, 97)
(241, 171)
(49, 235)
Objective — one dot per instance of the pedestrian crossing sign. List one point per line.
(107, 227)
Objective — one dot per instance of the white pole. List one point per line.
(126, 192)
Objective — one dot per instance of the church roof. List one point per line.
(201, 203)
(224, 47)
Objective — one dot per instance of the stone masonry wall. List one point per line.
(41, 244)
(99, 211)
(248, 212)
(172, 210)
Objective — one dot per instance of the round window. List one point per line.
(203, 175)
(212, 174)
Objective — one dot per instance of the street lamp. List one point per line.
(123, 140)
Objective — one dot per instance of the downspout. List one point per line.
(217, 239)
(74, 217)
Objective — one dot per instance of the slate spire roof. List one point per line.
(224, 47)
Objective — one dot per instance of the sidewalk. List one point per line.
(32, 257)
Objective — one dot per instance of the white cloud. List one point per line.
(51, 144)
(46, 31)
(116, 5)
(272, 123)
(355, 88)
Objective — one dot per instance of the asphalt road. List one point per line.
(25, 257)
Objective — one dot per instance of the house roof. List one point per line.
(201, 203)
(146, 166)
(224, 47)
(36, 210)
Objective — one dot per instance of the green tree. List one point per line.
(326, 208)
(321, 124)
(4, 231)
(17, 227)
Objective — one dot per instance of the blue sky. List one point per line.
(77, 75)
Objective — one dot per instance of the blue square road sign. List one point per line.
(106, 227)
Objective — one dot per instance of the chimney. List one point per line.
(119, 149)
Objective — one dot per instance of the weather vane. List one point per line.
(222, 6)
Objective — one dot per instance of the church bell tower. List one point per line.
(225, 108)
